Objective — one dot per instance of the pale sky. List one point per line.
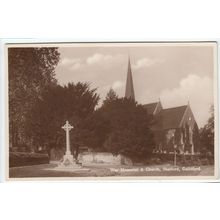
(172, 72)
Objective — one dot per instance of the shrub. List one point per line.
(17, 159)
(182, 160)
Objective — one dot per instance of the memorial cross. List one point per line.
(67, 127)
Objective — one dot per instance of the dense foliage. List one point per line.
(17, 159)
(121, 126)
(31, 70)
(74, 102)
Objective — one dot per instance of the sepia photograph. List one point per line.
(112, 111)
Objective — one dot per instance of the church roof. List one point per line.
(170, 118)
(151, 107)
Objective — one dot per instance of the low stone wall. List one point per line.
(102, 158)
(92, 157)
(99, 158)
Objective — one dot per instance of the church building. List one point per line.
(175, 129)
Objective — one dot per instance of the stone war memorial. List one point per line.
(112, 111)
(69, 162)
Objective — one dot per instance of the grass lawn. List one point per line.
(96, 170)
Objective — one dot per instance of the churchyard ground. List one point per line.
(96, 170)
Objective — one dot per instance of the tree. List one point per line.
(207, 134)
(31, 70)
(98, 127)
(125, 127)
(111, 96)
(73, 102)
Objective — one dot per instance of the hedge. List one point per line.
(17, 159)
(183, 160)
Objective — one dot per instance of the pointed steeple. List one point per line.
(129, 91)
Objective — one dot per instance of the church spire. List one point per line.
(129, 92)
